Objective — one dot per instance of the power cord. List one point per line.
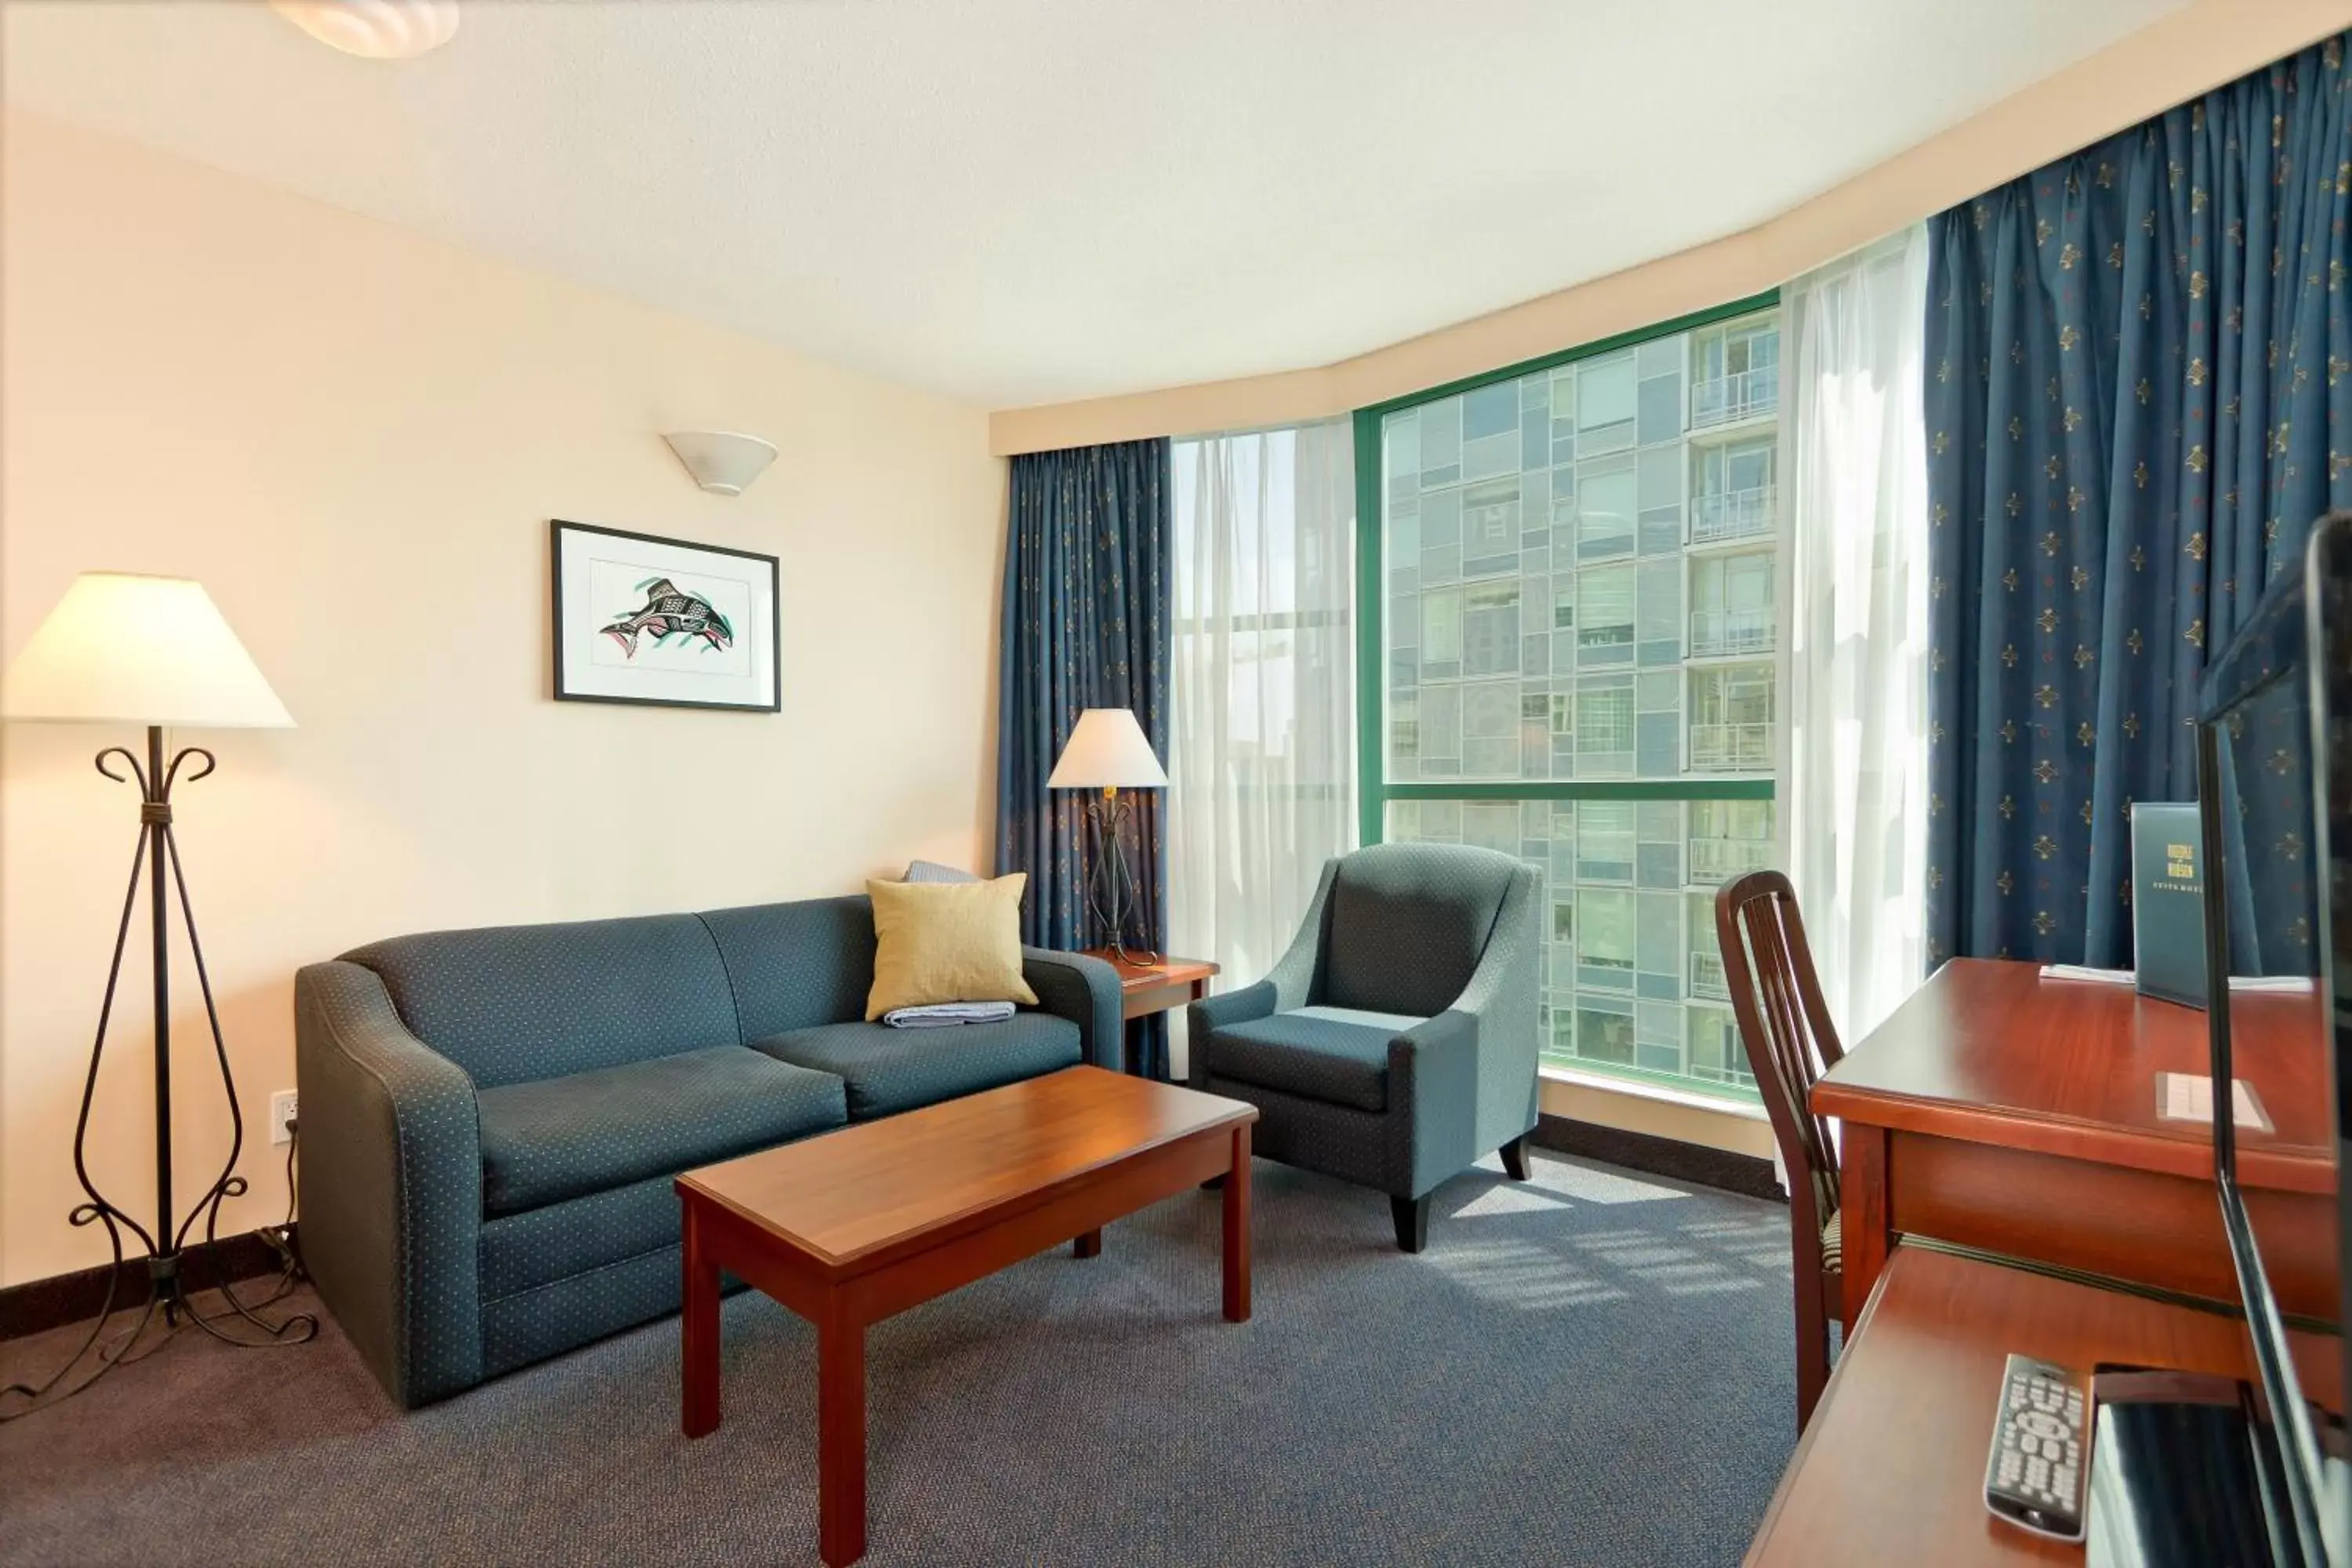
(280, 1238)
(123, 1349)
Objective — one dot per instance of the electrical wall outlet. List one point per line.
(282, 1112)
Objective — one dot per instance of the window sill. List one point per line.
(1689, 1099)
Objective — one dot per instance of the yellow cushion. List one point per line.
(947, 942)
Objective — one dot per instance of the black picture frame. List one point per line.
(566, 686)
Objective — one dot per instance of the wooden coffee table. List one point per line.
(851, 1226)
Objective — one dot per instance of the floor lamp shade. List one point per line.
(126, 648)
(1108, 750)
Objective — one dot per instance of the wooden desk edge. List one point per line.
(836, 1267)
(2292, 1168)
(1797, 1456)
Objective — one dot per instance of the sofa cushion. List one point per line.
(796, 965)
(1336, 1054)
(889, 1070)
(546, 1142)
(514, 1004)
(1408, 923)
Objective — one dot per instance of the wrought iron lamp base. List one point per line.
(1110, 882)
(167, 1289)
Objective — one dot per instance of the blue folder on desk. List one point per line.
(2169, 902)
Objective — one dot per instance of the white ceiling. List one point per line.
(1023, 201)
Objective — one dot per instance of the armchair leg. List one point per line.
(1411, 1216)
(1515, 1158)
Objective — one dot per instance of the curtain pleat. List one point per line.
(1086, 626)
(2136, 406)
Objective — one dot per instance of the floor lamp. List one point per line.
(1107, 752)
(127, 649)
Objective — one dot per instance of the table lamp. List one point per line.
(1107, 752)
(122, 648)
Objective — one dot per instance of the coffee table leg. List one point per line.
(1088, 1244)
(1237, 1231)
(698, 1333)
(840, 1438)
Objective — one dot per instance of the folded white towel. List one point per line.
(941, 1014)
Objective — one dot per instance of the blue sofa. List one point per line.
(491, 1119)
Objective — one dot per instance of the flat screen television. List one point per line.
(2275, 793)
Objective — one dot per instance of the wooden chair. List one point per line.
(1790, 1042)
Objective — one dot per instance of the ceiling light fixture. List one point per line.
(375, 29)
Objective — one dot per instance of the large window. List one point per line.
(1570, 570)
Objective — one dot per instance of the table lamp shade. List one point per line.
(1107, 751)
(125, 648)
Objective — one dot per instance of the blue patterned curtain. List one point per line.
(1086, 626)
(2134, 414)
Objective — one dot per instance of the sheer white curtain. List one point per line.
(1853, 457)
(1261, 771)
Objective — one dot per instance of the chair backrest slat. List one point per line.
(1784, 1024)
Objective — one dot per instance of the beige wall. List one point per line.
(355, 438)
(2203, 45)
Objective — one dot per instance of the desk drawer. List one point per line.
(2113, 1220)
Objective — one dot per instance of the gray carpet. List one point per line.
(1594, 1368)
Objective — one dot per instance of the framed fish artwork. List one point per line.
(664, 621)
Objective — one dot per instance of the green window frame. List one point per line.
(1375, 791)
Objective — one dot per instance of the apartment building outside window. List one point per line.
(1570, 568)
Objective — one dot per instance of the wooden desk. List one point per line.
(2014, 1114)
(1892, 1468)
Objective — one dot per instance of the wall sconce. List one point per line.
(721, 461)
(375, 29)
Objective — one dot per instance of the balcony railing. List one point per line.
(1714, 861)
(1731, 748)
(1715, 632)
(1741, 396)
(1737, 514)
(1707, 975)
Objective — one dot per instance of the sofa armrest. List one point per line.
(392, 1184)
(1085, 991)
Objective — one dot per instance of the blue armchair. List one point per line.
(1394, 1045)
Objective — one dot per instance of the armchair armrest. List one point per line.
(1085, 991)
(1289, 984)
(1433, 1071)
(1251, 1002)
(392, 1184)
(1467, 1077)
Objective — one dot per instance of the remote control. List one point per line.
(2033, 1478)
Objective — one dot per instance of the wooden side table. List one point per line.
(1146, 989)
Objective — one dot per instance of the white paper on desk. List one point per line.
(2188, 1096)
(2085, 972)
(2280, 985)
